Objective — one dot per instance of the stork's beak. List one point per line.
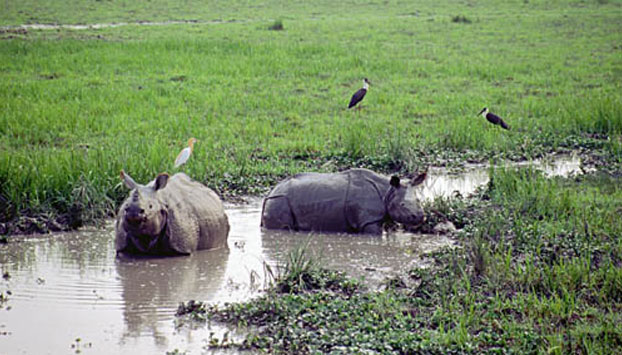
(481, 112)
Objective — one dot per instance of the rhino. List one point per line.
(352, 201)
(170, 216)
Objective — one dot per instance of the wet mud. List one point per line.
(70, 291)
(72, 286)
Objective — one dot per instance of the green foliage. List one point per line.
(539, 268)
(277, 26)
(460, 19)
(534, 274)
(302, 272)
(80, 105)
(195, 310)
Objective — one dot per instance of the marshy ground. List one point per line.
(263, 87)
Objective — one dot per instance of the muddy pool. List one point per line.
(68, 293)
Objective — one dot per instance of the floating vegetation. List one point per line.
(540, 255)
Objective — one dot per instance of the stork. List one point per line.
(492, 118)
(360, 94)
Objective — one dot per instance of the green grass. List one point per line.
(538, 271)
(77, 106)
(539, 267)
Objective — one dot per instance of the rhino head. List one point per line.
(401, 202)
(144, 215)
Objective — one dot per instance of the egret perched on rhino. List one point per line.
(170, 216)
(352, 201)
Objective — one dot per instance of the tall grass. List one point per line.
(538, 272)
(542, 260)
(600, 115)
(78, 106)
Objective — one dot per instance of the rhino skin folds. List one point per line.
(170, 216)
(352, 201)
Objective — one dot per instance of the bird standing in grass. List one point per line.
(492, 118)
(183, 156)
(360, 94)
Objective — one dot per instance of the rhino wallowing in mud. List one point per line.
(352, 201)
(170, 216)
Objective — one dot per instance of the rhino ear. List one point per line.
(128, 181)
(419, 178)
(161, 181)
(395, 181)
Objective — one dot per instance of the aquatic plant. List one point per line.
(302, 272)
(538, 271)
(4, 298)
(195, 310)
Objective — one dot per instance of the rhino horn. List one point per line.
(128, 181)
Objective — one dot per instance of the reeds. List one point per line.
(76, 109)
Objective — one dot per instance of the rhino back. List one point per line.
(348, 201)
(196, 216)
(316, 201)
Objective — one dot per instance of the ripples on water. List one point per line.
(71, 285)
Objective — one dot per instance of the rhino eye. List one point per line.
(150, 207)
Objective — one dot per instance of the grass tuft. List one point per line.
(539, 271)
(302, 272)
(277, 26)
(460, 19)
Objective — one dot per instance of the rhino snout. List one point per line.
(407, 212)
(411, 219)
(135, 215)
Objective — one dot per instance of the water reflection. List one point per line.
(440, 182)
(366, 257)
(151, 288)
(71, 285)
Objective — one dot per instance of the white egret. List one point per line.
(183, 156)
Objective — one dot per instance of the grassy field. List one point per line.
(539, 269)
(80, 105)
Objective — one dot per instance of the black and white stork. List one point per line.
(360, 94)
(492, 118)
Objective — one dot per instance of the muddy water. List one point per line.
(94, 26)
(69, 286)
(70, 292)
(442, 183)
